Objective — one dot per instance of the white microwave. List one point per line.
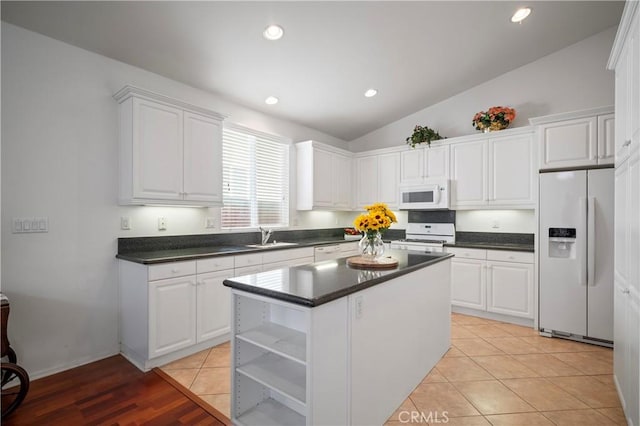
(431, 195)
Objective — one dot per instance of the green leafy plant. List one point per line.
(423, 135)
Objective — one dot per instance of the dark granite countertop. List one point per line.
(318, 283)
(494, 241)
(193, 253)
(494, 246)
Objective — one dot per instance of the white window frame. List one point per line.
(253, 137)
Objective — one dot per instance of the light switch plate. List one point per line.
(29, 225)
(210, 222)
(162, 224)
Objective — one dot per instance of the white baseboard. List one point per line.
(526, 322)
(34, 375)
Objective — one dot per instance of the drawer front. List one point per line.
(171, 270)
(467, 253)
(247, 270)
(283, 255)
(248, 260)
(287, 264)
(214, 264)
(510, 256)
(349, 247)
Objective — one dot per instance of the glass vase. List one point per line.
(371, 246)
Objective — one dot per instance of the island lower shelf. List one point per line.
(329, 364)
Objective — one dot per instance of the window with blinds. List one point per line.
(255, 175)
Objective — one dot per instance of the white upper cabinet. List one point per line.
(202, 144)
(627, 137)
(377, 178)
(576, 139)
(606, 138)
(494, 172)
(323, 177)
(469, 173)
(366, 180)
(157, 150)
(419, 164)
(388, 178)
(341, 167)
(512, 174)
(570, 143)
(170, 152)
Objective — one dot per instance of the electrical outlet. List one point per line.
(210, 222)
(125, 223)
(162, 224)
(495, 224)
(358, 307)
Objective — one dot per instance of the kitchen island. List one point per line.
(326, 344)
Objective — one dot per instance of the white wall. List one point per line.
(59, 146)
(573, 78)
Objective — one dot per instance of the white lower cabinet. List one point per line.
(172, 315)
(468, 283)
(170, 310)
(212, 315)
(496, 281)
(510, 288)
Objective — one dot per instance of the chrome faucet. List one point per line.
(266, 233)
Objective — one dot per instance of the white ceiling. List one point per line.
(415, 53)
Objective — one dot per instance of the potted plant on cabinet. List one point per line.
(423, 134)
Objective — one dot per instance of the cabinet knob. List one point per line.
(175, 270)
(511, 257)
(625, 291)
(627, 143)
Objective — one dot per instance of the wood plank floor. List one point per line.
(111, 391)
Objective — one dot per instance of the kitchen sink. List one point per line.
(270, 245)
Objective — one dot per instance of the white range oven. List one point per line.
(426, 237)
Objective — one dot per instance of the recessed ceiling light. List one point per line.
(271, 100)
(520, 14)
(371, 93)
(273, 32)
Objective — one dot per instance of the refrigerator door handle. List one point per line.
(591, 241)
(582, 243)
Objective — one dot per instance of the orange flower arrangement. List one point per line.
(496, 118)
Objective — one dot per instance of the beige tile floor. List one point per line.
(494, 374)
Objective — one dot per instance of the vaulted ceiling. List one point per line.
(414, 53)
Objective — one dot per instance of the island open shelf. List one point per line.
(271, 413)
(284, 341)
(277, 373)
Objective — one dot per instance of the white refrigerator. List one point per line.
(576, 254)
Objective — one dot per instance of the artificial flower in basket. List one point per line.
(373, 224)
(496, 118)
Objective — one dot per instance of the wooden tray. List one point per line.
(364, 263)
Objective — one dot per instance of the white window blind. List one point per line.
(255, 169)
